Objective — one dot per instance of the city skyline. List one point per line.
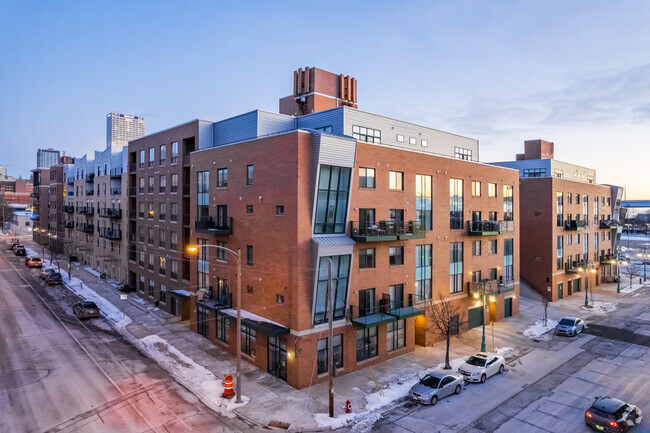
(500, 74)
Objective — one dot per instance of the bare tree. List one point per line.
(633, 271)
(70, 249)
(447, 319)
(544, 301)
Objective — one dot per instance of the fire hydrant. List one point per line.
(348, 407)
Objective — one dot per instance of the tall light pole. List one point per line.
(588, 267)
(237, 254)
(483, 293)
(645, 259)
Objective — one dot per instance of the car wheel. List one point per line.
(434, 400)
(501, 369)
(458, 389)
(483, 378)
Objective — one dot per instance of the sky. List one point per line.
(576, 73)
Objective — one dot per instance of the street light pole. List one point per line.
(483, 284)
(330, 340)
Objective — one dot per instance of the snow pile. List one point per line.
(202, 382)
(91, 271)
(380, 399)
(601, 307)
(137, 299)
(537, 331)
(630, 289)
(508, 352)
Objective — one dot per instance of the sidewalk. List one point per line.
(200, 366)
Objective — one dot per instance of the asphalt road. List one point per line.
(59, 374)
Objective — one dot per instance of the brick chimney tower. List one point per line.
(318, 90)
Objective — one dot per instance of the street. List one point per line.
(550, 384)
(60, 374)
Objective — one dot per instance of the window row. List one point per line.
(148, 156)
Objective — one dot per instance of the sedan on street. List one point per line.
(33, 262)
(53, 278)
(20, 250)
(435, 386)
(45, 272)
(482, 365)
(610, 414)
(570, 326)
(85, 310)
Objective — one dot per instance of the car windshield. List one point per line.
(567, 322)
(430, 381)
(88, 304)
(55, 275)
(473, 360)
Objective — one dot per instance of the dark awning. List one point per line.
(258, 323)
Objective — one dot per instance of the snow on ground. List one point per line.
(600, 307)
(508, 352)
(630, 289)
(537, 331)
(91, 271)
(138, 299)
(389, 394)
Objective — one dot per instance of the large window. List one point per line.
(395, 335)
(492, 189)
(366, 177)
(396, 256)
(508, 208)
(203, 195)
(476, 188)
(248, 341)
(455, 204)
(332, 205)
(559, 208)
(508, 259)
(223, 327)
(396, 180)
(249, 255)
(534, 172)
(340, 275)
(203, 264)
(456, 267)
(174, 152)
(423, 201)
(585, 208)
(423, 259)
(368, 135)
(250, 174)
(595, 210)
(366, 343)
(560, 253)
(367, 258)
(337, 353)
(222, 177)
(462, 153)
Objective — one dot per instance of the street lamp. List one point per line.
(645, 260)
(588, 267)
(237, 254)
(483, 288)
(618, 264)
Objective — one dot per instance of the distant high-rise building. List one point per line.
(122, 128)
(46, 158)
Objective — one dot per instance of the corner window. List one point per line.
(340, 275)
(332, 200)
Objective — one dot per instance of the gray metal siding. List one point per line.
(333, 118)
(205, 135)
(237, 128)
(439, 142)
(337, 151)
(271, 123)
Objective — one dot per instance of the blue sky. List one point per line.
(573, 72)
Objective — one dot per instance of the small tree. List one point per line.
(544, 301)
(70, 248)
(447, 319)
(632, 271)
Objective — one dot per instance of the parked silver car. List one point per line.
(570, 326)
(482, 365)
(435, 386)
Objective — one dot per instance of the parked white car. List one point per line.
(479, 367)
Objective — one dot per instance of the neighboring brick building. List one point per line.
(40, 196)
(567, 230)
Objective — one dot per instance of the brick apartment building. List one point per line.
(568, 223)
(40, 196)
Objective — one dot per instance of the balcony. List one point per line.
(69, 224)
(506, 226)
(110, 233)
(132, 167)
(86, 228)
(222, 226)
(609, 224)
(68, 209)
(90, 177)
(212, 301)
(90, 192)
(571, 267)
(483, 228)
(88, 210)
(131, 190)
(116, 173)
(386, 231)
(492, 287)
(70, 180)
(116, 191)
(110, 213)
(383, 312)
(607, 259)
(35, 194)
(573, 225)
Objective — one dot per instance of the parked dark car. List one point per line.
(20, 250)
(12, 245)
(608, 414)
(54, 278)
(85, 309)
(44, 273)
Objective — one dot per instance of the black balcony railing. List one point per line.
(68, 209)
(88, 210)
(70, 180)
(110, 213)
(483, 228)
(571, 267)
(132, 190)
(220, 226)
(213, 301)
(132, 167)
(116, 191)
(575, 225)
(86, 228)
(69, 223)
(386, 231)
(384, 311)
(491, 287)
(116, 172)
(90, 177)
(609, 224)
(607, 259)
(109, 233)
(90, 192)
(506, 226)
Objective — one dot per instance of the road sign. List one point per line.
(124, 297)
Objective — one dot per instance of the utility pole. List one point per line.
(238, 383)
(330, 338)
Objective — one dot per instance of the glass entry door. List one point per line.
(277, 351)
